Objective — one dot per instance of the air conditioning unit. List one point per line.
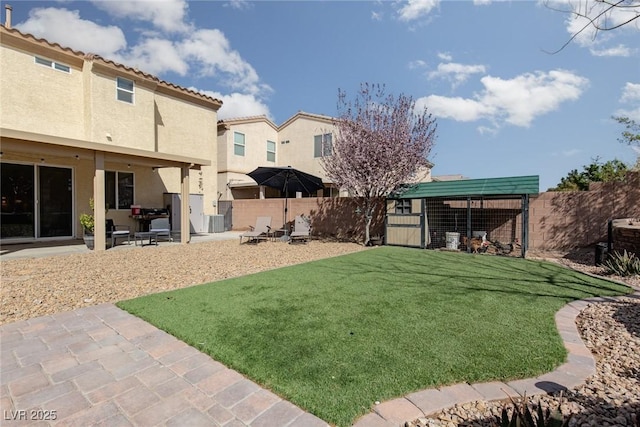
(216, 223)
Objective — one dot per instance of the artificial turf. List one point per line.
(334, 336)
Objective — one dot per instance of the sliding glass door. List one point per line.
(56, 202)
(33, 211)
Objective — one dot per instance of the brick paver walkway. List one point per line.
(102, 366)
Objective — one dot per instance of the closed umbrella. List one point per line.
(286, 179)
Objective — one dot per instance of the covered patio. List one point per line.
(79, 168)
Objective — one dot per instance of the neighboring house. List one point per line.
(300, 142)
(249, 142)
(75, 126)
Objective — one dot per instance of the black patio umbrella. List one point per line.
(286, 179)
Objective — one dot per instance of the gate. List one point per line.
(225, 207)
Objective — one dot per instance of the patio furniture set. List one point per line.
(159, 228)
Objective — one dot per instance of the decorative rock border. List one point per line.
(579, 366)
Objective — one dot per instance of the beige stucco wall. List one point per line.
(39, 99)
(299, 151)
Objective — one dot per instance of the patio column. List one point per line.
(262, 196)
(185, 228)
(99, 207)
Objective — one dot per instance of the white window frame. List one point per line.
(271, 151)
(322, 145)
(48, 63)
(119, 90)
(239, 145)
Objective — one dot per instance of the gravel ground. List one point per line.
(40, 286)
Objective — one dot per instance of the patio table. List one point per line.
(141, 235)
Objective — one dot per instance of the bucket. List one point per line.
(453, 240)
(135, 209)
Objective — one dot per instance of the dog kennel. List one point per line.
(488, 215)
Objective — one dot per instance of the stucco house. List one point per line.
(246, 143)
(76, 126)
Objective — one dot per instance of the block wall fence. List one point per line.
(557, 220)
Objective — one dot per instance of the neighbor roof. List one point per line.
(514, 185)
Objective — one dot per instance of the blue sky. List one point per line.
(504, 106)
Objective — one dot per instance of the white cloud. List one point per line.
(415, 9)
(572, 152)
(146, 56)
(238, 105)
(620, 50)
(445, 56)
(516, 101)
(457, 73)
(418, 63)
(631, 97)
(212, 51)
(631, 92)
(239, 4)
(481, 2)
(68, 29)
(376, 16)
(167, 15)
(456, 108)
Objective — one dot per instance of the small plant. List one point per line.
(524, 416)
(87, 220)
(625, 264)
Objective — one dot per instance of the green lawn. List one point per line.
(336, 335)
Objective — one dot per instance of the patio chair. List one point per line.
(160, 226)
(262, 230)
(302, 230)
(117, 231)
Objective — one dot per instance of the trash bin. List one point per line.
(601, 253)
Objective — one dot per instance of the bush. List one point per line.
(625, 264)
(524, 416)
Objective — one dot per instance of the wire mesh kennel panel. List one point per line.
(475, 224)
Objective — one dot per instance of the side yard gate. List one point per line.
(476, 215)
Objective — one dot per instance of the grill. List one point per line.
(147, 214)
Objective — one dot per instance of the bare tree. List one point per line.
(381, 144)
(597, 15)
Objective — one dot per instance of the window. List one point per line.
(271, 151)
(118, 189)
(124, 90)
(322, 145)
(238, 144)
(403, 206)
(52, 64)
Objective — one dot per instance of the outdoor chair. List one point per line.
(117, 231)
(302, 230)
(262, 230)
(160, 226)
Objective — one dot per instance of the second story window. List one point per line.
(271, 151)
(238, 144)
(52, 64)
(322, 145)
(124, 90)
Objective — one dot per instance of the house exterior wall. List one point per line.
(82, 108)
(40, 99)
(299, 151)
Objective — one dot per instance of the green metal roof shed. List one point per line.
(514, 186)
(432, 214)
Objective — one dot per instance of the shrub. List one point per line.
(625, 264)
(524, 416)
